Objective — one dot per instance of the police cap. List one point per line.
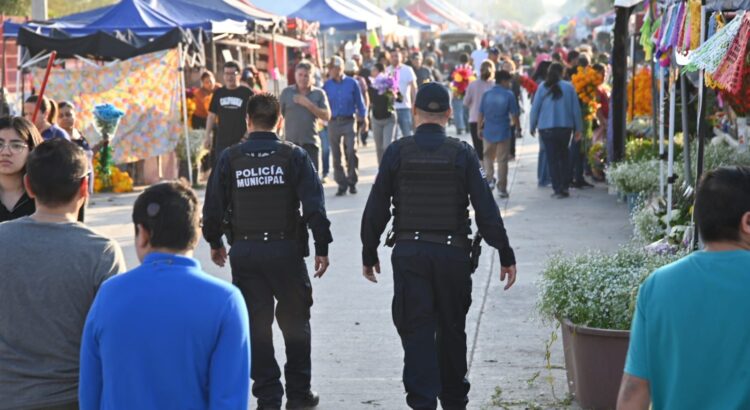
(433, 97)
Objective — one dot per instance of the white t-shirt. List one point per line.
(406, 78)
(478, 56)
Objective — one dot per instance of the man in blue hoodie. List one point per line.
(166, 334)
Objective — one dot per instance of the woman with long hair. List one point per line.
(18, 137)
(556, 113)
(46, 119)
(542, 168)
(473, 99)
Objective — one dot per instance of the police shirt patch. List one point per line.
(259, 176)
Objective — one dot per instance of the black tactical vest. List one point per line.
(263, 197)
(430, 194)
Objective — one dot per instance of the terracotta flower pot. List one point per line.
(594, 362)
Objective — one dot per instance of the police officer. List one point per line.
(253, 197)
(430, 179)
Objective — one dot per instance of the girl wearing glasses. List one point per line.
(18, 137)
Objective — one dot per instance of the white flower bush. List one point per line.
(635, 177)
(595, 289)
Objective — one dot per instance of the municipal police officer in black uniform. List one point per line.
(430, 179)
(253, 197)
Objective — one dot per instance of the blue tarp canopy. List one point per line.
(340, 15)
(145, 18)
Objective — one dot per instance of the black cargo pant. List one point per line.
(268, 273)
(432, 295)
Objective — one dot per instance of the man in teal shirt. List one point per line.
(689, 344)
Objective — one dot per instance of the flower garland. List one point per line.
(586, 82)
(461, 77)
(643, 105)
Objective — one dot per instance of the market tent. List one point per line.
(101, 45)
(249, 8)
(471, 22)
(412, 20)
(282, 8)
(152, 18)
(436, 14)
(388, 20)
(337, 14)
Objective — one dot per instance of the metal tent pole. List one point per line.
(183, 99)
(701, 131)
(670, 153)
(685, 128)
(662, 108)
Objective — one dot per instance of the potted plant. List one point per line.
(635, 180)
(593, 296)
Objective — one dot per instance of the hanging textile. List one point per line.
(647, 33)
(729, 73)
(695, 23)
(145, 87)
(711, 53)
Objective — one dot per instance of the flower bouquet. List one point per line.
(386, 85)
(106, 119)
(461, 77)
(528, 84)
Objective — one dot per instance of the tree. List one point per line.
(15, 7)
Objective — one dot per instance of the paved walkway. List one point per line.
(357, 356)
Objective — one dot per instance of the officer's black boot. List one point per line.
(308, 401)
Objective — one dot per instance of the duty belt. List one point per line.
(459, 241)
(342, 118)
(265, 236)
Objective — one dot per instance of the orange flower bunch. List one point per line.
(191, 106)
(586, 82)
(117, 181)
(643, 105)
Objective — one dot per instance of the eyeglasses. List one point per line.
(16, 147)
(234, 74)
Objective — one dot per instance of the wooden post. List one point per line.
(619, 82)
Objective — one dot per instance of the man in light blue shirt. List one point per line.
(690, 332)
(166, 334)
(497, 112)
(345, 98)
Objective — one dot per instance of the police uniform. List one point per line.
(254, 196)
(430, 180)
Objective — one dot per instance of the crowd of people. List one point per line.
(76, 333)
(332, 110)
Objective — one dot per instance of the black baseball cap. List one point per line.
(433, 97)
(495, 51)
